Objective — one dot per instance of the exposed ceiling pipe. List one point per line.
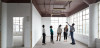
(69, 3)
(66, 4)
(90, 1)
(86, 1)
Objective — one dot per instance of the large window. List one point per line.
(81, 20)
(56, 21)
(17, 24)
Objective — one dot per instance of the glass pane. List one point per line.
(52, 18)
(87, 11)
(21, 30)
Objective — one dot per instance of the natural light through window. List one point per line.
(81, 20)
(56, 21)
(17, 24)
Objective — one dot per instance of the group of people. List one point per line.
(59, 31)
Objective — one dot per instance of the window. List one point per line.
(17, 24)
(81, 20)
(56, 21)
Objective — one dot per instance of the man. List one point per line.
(43, 33)
(59, 31)
(72, 30)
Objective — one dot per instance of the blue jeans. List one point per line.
(73, 41)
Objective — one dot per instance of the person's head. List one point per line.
(66, 26)
(50, 26)
(59, 25)
(73, 24)
(43, 26)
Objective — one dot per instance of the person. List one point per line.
(51, 32)
(43, 33)
(59, 31)
(65, 33)
(72, 30)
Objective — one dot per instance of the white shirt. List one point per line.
(59, 30)
(43, 30)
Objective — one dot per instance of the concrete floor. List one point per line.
(17, 41)
(59, 44)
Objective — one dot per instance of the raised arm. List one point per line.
(68, 23)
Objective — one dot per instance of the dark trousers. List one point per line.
(73, 41)
(51, 38)
(43, 41)
(65, 35)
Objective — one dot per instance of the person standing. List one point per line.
(72, 30)
(51, 32)
(43, 33)
(65, 33)
(59, 31)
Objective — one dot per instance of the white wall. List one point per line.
(18, 10)
(97, 43)
(82, 38)
(0, 22)
(47, 22)
(36, 26)
(4, 26)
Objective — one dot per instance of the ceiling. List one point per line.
(64, 8)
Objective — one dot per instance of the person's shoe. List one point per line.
(56, 40)
(72, 43)
(59, 40)
(53, 42)
(43, 44)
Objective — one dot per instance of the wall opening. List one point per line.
(18, 37)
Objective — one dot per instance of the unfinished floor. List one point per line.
(59, 44)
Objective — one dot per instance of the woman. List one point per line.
(65, 33)
(51, 32)
(43, 33)
(59, 31)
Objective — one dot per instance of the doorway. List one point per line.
(18, 38)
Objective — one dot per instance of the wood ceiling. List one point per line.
(46, 7)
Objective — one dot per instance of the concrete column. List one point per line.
(93, 24)
(4, 26)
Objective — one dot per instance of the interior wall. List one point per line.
(82, 38)
(47, 22)
(36, 26)
(18, 10)
(97, 43)
(0, 22)
(4, 26)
